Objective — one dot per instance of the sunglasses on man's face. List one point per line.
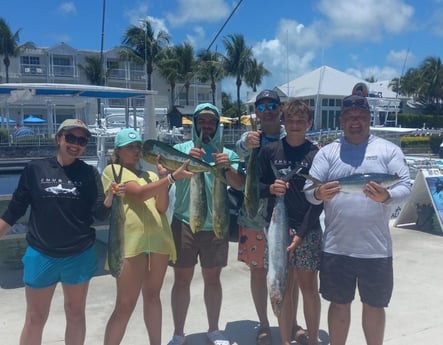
(357, 103)
(72, 139)
(271, 106)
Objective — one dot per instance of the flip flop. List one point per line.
(300, 335)
(264, 336)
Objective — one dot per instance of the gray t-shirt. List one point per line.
(355, 225)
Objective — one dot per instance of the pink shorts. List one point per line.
(251, 247)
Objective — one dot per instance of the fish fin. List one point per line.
(315, 183)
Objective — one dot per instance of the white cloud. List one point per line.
(369, 20)
(436, 22)
(379, 73)
(191, 11)
(67, 8)
(140, 13)
(400, 57)
(196, 37)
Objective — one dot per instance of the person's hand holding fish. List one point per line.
(221, 159)
(253, 139)
(279, 187)
(180, 173)
(197, 152)
(118, 189)
(327, 191)
(376, 192)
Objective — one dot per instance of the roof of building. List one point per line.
(328, 82)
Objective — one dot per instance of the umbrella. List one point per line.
(227, 120)
(5, 120)
(23, 132)
(186, 121)
(246, 120)
(31, 119)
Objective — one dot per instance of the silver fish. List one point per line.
(278, 239)
(356, 183)
(116, 250)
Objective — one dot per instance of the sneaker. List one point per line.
(217, 338)
(177, 340)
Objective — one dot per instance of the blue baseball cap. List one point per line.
(127, 136)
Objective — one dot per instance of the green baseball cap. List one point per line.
(127, 136)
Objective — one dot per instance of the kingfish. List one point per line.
(198, 205)
(172, 158)
(116, 249)
(252, 194)
(278, 239)
(356, 182)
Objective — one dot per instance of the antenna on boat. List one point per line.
(398, 85)
(99, 107)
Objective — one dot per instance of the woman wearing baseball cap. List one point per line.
(65, 195)
(148, 242)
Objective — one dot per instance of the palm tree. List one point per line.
(95, 74)
(185, 56)
(255, 74)
(9, 44)
(144, 45)
(169, 65)
(432, 80)
(209, 66)
(237, 62)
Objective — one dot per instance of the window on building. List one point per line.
(30, 60)
(61, 61)
(324, 102)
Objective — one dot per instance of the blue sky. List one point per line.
(379, 38)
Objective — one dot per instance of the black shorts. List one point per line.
(340, 274)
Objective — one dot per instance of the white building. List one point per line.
(324, 89)
(60, 64)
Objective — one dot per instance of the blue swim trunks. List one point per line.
(41, 271)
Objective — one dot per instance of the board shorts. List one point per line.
(41, 271)
(341, 274)
(251, 247)
(203, 245)
(308, 253)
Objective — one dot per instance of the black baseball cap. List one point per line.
(267, 94)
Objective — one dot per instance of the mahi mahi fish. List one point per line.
(116, 231)
(356, 182)
(220, 205)
(252, 193)
(198, 205)
(172, 158)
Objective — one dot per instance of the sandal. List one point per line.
(299, 335)
(264, 336)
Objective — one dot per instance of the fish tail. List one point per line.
(315, 183)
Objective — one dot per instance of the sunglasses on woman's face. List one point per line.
(271, 106)
(72, 139)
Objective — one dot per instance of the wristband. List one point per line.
(171, 179)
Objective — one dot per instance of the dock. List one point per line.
(413, 317)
